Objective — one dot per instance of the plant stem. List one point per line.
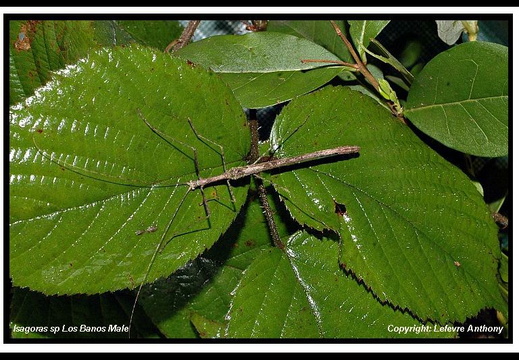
(360, 65)
(269, 214)
(262, 192)
(184, 38)
(253, 126)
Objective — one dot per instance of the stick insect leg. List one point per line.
(265, 180)
(221, 153)
(157, 250)
(204, 201)
(289, 136)
(170, 140)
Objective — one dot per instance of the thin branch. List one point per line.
(360, 65)
(254, 129)
(269, 214)
(184, 38)
(262, 192)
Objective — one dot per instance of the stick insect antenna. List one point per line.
(98, 176)
(168, 139)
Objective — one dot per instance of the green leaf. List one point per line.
(108, 33)
(252, 90)
(263, 68)
(93, 189)
(320, 32)
(38, 47)
(460, 98)
(302, 293)
(154, 33)
(362, 31)
(503, 268)
(405, 215)
(255, 52)
(206, 328)
(270, 303)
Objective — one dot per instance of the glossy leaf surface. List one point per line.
(264, 68)
(93, 188)
(397, 206)
(300, 292)
(460, 98)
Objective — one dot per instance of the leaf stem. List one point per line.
(364, 71)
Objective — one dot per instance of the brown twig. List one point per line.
(262, 192)
(254, 129)
(364, 70)
(269, 214)
(184, 38)
(359, 64)
(501, 220)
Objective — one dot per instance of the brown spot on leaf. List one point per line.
(27, 29)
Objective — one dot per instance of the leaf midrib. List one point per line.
(474, 100)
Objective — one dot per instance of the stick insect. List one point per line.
(228, 176)
(239, 172)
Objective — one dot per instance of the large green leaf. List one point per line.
(460, 98)
(301, 292)
(202, 288)
(263, 68)
(255, 52)
(406, 217)
(276, 87)
(92, 187)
